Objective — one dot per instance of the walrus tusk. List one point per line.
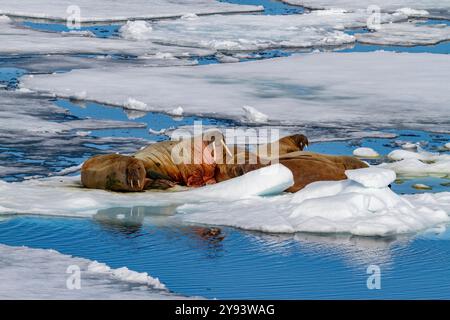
(214, 150)
(226, 148)
(132, 186)
(139, 184)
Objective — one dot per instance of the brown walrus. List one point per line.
(155, 168)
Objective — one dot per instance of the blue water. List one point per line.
(100, 31)
(271, 7)
(236, 264)
(245, 264)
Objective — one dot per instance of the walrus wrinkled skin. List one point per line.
(154, 167)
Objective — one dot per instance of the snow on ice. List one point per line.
(376, 89)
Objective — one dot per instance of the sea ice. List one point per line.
(27, 273)
(330, 207)
(346, 90)
(421, 163)
(23, 41)
(255, 32)
(435, 8)
(65, 196)
(364, 152)
(105, 10)
(39, 136)
(406, 34)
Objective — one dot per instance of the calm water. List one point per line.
(245, 264)
(236, 264)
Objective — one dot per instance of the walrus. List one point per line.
(211, 161)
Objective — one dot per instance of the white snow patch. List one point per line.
(421, 163)
(135, 105)
(255, 116)
(406, 34)
(178, 111)
(27, 273)
(364, 152)
(106, 11)
(330, 207)
(394, 84)
(127, 275)
(136, 30)
(372, 177)
(66, 197)
(412, 12)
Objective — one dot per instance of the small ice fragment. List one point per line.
(409, 145)
(134, 104)
(447, 145)
(421, 186)
(365, 153)
(83, 133)
(177, 112)
(136, 30)
(253, 115)
(412, 12)
(82, 95)
(189, 16)
(372, 177)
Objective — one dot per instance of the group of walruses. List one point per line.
(155, 166)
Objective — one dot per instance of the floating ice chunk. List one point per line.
(20, 40)
(134, 104)
(136, 30)
(409, 145)
(406, 34)
(253, 115)
(189, 16)
(421, 186)
(226, 59)
(258, 32)
(65, 195)
(418, 163)
(412, 12)
(435, 7)
(365, 153)
(20, 280)
(372, 177)
(344, 208)
(178, 111)
(280, 89)
(406, 154)
(447, 145)
(4, 19)
(104, 10)
(127, 275)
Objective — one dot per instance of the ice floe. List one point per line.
(434, 8)
(362, 205)
(27, 273)
(255, 32)
(65, 196)
(406, 34)
(331, 207)
(364, 152)
(105, 10)
(38, 136)
(352, 90)
(23, 41)
(416, 164)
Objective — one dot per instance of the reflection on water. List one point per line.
(230, 263)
